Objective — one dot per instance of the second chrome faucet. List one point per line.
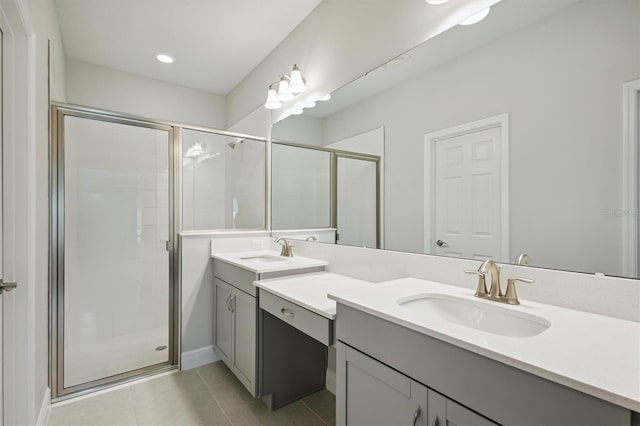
(495, 291)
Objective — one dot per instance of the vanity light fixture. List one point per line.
(272, 99)
(164, 58)
(288, 88)
(474, 19)
(296, 83)
(436, 2)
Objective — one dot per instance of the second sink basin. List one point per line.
(478, 315)
(263, 259)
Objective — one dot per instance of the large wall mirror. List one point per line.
(498, 138)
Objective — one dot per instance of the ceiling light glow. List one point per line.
(164, 58)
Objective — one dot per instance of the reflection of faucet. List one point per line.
(522, 259)
(311, 238)
(495, 292)
(287, 249)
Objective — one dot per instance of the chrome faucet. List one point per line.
(495, 291)
(522, 259)
(287, 249)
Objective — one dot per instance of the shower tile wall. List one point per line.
(116, 264)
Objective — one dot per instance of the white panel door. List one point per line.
(467, 200)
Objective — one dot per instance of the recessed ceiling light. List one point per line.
(436, 1)
(477, 17)
(165, 59)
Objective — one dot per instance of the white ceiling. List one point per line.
(215, 43)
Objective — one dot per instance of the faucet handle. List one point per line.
(511, 297)
(481, 289)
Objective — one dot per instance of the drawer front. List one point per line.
(237, 277)
(312, 324)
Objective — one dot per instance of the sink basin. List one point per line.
(263, 259)
(478, 315)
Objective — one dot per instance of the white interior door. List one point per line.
(467, 200)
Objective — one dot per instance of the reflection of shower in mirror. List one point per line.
(235, 142)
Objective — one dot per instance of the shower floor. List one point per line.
(92, 360)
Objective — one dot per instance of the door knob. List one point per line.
(7, 286)
(441, 243)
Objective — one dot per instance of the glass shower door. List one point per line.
(114, 292)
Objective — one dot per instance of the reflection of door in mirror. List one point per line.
(467, 205)
(357, 202)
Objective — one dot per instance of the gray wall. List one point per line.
(561, 82)
(106, 88)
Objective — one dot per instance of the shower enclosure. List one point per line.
(113, 230)
(122, 190)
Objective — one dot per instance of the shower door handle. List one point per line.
(7, 286)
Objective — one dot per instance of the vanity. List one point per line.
(412, 351)
(235, 337)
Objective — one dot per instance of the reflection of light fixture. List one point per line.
(474, 19)
(283, 90)
(272, 99)
(296, 83)
(436, 1)
(325, 97)
(164, 58)
(288, 88)
(195, 150)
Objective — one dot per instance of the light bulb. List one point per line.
(435, 2)
(283, 90)
(325, 97)
(310, 105)
(298, 112)
(474, 19)
(272, 99)
(296, 83)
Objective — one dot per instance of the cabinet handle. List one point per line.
(415, 416)
(232, 308)
(227, 303)
(287, 312)
(436, 422)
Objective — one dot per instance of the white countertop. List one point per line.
(310, 290)
(594, 354)
(283, 264)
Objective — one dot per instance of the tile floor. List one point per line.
(207, 395)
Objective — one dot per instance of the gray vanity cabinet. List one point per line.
(379, 395)
(235, 318)
(381, 367)
(235, 331)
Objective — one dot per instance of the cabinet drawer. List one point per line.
(312, 324)
(237, 277)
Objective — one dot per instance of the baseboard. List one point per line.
(331, 381)
(198, 357)
(45, 409)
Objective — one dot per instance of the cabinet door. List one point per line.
(379, 395)
(445, 412)
(244, 353)
(223, 321)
